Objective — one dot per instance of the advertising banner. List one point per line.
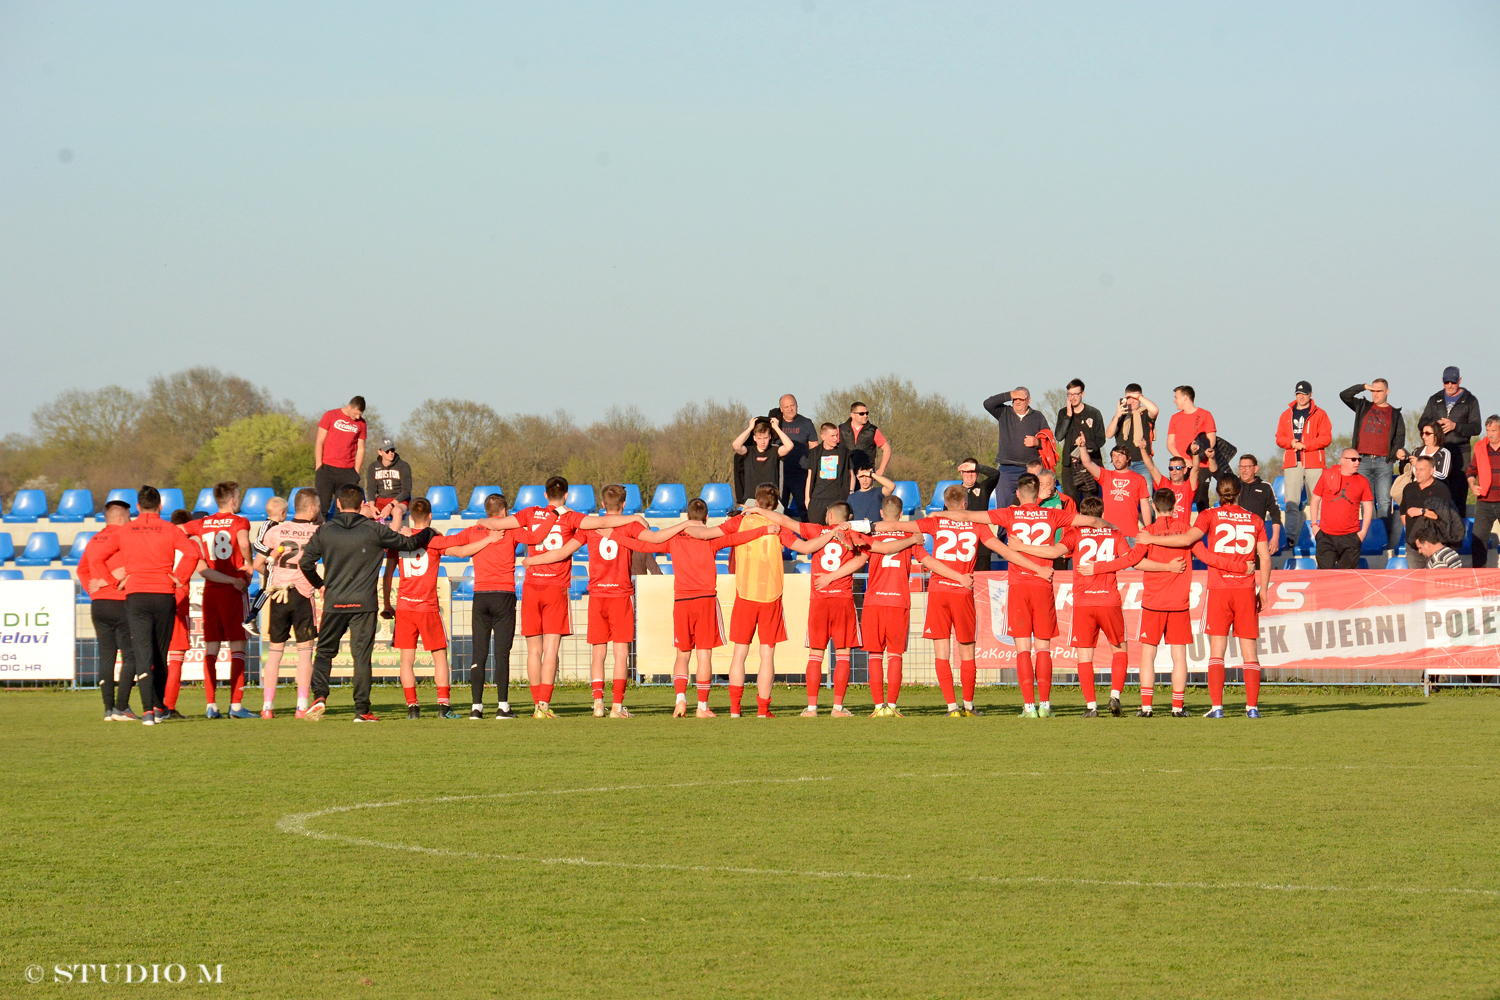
(36, 630)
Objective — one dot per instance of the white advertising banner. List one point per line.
(36, 630)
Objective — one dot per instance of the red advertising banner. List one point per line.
(1390, 621)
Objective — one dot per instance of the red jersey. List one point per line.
(1122, 492)
(344, 436)
(831, 557)
(1184, 429)
(955, 544)
(693, 570)
(1182, 510)
(1342, 498)
(1098, 546)
(419, 574)
(90, 568)
(609, 566)
(889, 584)
(558, 534)
(153, 551)
(1229, 530)
(495, 564)
(1029, 524)
(219, 537)
(1167, 591)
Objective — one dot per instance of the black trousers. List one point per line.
(1338, 551)
(361, 628)
(150, 618)
(1486, 513)
(113, 637)
(327, 480)
(1206, 487)
(493, 614)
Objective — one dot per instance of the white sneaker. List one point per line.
(810, 712)
(599, 712)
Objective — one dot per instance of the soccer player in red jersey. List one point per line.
(545, 610)
(1127, 503)
(1180, 479)
(1031, 608)
(950, 602)
(1234, 599)
(697, 626)
(225, 540)
(107, 611)
(831, 615)
(291, 600)
(417, 613)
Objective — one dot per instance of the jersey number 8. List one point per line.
(218, 544)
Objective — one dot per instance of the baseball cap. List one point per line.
(387, 445)
(1304, 386)
(1450, 374)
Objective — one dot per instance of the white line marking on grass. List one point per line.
(297, 824)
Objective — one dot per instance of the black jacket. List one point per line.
(392, 480)
(1090, 423)
(1465, 416)
(977, 497)
(352, 548)
(1014, 430)
(1352, 399)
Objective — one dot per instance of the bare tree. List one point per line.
(452, 441)
(83, 425)
(196, 402)
(694, 448)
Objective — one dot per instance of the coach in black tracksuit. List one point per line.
(352, 548)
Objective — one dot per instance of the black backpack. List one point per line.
(1224, 453)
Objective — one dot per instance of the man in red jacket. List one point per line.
(108, 610)
(1303, 433)
(156, 559)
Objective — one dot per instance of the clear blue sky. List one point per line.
(576, 205)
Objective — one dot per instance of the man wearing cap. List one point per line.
(388, 481)
(1455, 411)
(1303, 433)
(1379, 432)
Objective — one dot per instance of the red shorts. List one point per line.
(412, 625)
(1090, 620)
(949, 611)
(697, 624)
(832, 619)
(224, 610)
(611, 619)
(885, 628)
(1031, 611)
(182, 641)
(757, 618)
(381, 503)
(1175, 628)
(1232, 607)
(545, 611)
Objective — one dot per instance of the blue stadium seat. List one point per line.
(27, 507)
(1468, 542)
(11, 574)
(7, 547)
(530, 496)
(126, 495)
(291, 499)
(475, 510)
(1400, 547)
(444, 500)
(56, 574)
(633, 502)
(1375, 539)
(719, 497)
(670, 500)
(803, 568)
(581, 498)
(455, 559)
(937, 494)
(1278, 486)
(171, 500)
(1301, 562)
(1363, 563)
(41, 549)
(928, 542)
(1397, 562)
(1304, 546)
(579, 585)
(910, 494)
(1281, 544)
(463, 590)
(74, 506)
(253, 503)
(80, 542)
(205, 504)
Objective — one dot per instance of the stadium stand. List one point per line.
(633, 503)
(73, 506)
(1278, 486)
(910, 494)
(41, 549)
(530, 496)
(937, 494)
(1304, 546)
(1375, 539)
(27, 507)
(444, 500)
(1397, 562)
(1301, 562)
(171, 500)
(80, 542)
(475, 510)
(581, 498)
(127, 495)
(719, 497)
(11, 574)
(253, 503)
(455, 559)
(1468, 542)
(205, 503)
(464, 589)
(7, 547)
(56, 574)
(579, 585)
(669, 500)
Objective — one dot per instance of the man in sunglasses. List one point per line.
(864, 440)
(1340, 513)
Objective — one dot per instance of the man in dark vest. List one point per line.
(863, 439)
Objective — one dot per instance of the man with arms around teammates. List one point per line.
(225, 539)
(291, 599)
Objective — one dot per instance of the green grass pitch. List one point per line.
(1347, 845)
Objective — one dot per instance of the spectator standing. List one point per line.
(979, 482)
(1258, 497)
(339, 450)
(870, 488)
(758, 460)
(1079, 425)
(1340, 513)
(1020, 427)
(864, 440)
(388, 482)
(803, 434)
(829, 479)
(1190, 423)
(1484, 479)
(1455, 412)
(1427, 500)
(1304, 432)
(1379, 437)
(1435, 555)
(1135, 416)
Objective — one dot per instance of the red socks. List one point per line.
(968, 671)
(1179, 700)
(877, 679)
(1117, 668)
(893, 679)
(1216, 682)
(444, 695)
(1252, 685)
(736, 698)
(174, 679)
(840, 677)
(619, 691)
(411, 695)
(680, 685)
(535, 692)
(210, 678)
(599, 689)
(545, 690)
(1044, 675)
(1027, 677)
(1146, 697)
(945, 679)
(814, 680)
(763, 707)
(236, 677)
(1086, 681)
(703, 693)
